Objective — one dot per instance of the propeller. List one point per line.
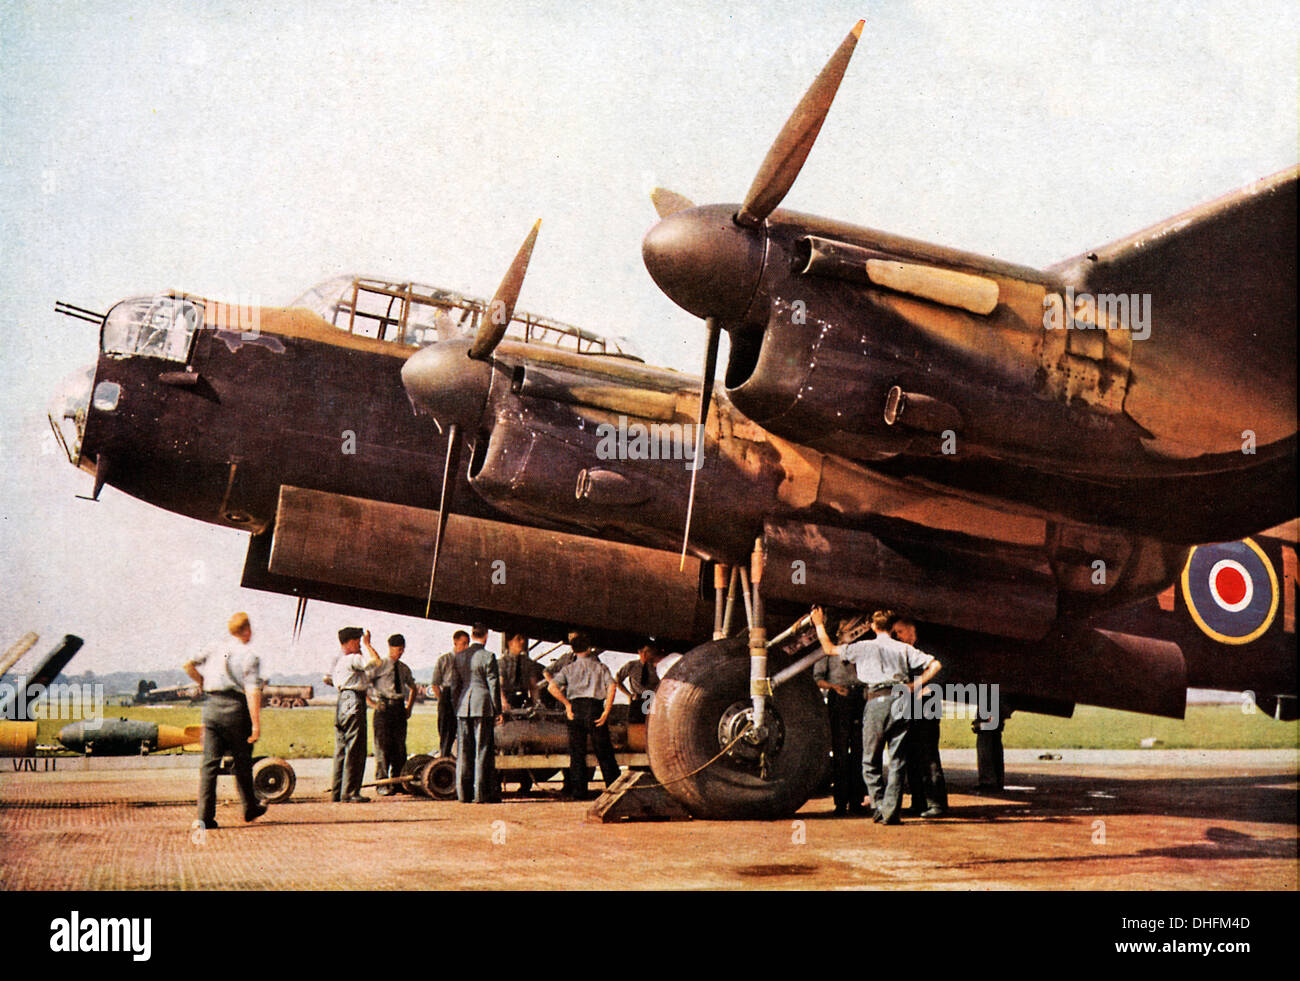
(435, 374)
(449, 466)
(496, 318)
(786, 157)
(668, 202)
(710, 263)
(706, 393)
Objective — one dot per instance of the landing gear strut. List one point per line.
(730, 742)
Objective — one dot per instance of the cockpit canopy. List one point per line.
(158, 326)
(410, 313)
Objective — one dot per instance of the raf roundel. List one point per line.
(1230, 590)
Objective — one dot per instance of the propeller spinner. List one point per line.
(451, 380)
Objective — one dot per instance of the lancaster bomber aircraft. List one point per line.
(1064, 473)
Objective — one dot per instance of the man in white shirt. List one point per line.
(884, 666)
(586, 689)
(227, 675)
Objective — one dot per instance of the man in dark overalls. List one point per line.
(393, 689)
(440, 688)
(521, 676)
(351, 674)
(925, 779)
(227, 674)
(845, 699)
(639, 680)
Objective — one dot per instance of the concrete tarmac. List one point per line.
(1217, 820)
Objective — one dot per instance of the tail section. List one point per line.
(1216, 372)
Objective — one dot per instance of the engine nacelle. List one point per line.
(629, 473)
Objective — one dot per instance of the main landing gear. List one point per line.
(727, 740)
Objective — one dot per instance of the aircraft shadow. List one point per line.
(1267, 798)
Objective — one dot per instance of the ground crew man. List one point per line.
(521, 676)
(586, 690)
(638, 680)
(549, 671)
(844, 703)
(227, 674)
(440, 689)
(924, 770)
(559, 663)
(393, 688)
(351, 674)
(883, 665)
(476, 688)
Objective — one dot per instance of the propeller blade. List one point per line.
(786, 157)
(496, 318)
(706, 393)
(668, 202)
(444, 504)
(299, 618)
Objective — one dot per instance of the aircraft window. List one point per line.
(414, 314)
(67, 412)
(106, 396)
(151, 327)
(625, 346)
(323, 299)
(404, 312)
(429, 322)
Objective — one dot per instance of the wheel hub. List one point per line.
(754, 745)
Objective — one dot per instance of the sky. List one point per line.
(247, 151)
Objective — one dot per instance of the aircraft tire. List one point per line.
(682, 736)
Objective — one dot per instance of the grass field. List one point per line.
(309, 732)
(1205, 727)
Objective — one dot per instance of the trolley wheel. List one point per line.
(273, 780)
(411, 773)
(437, 778)
(701, 703)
